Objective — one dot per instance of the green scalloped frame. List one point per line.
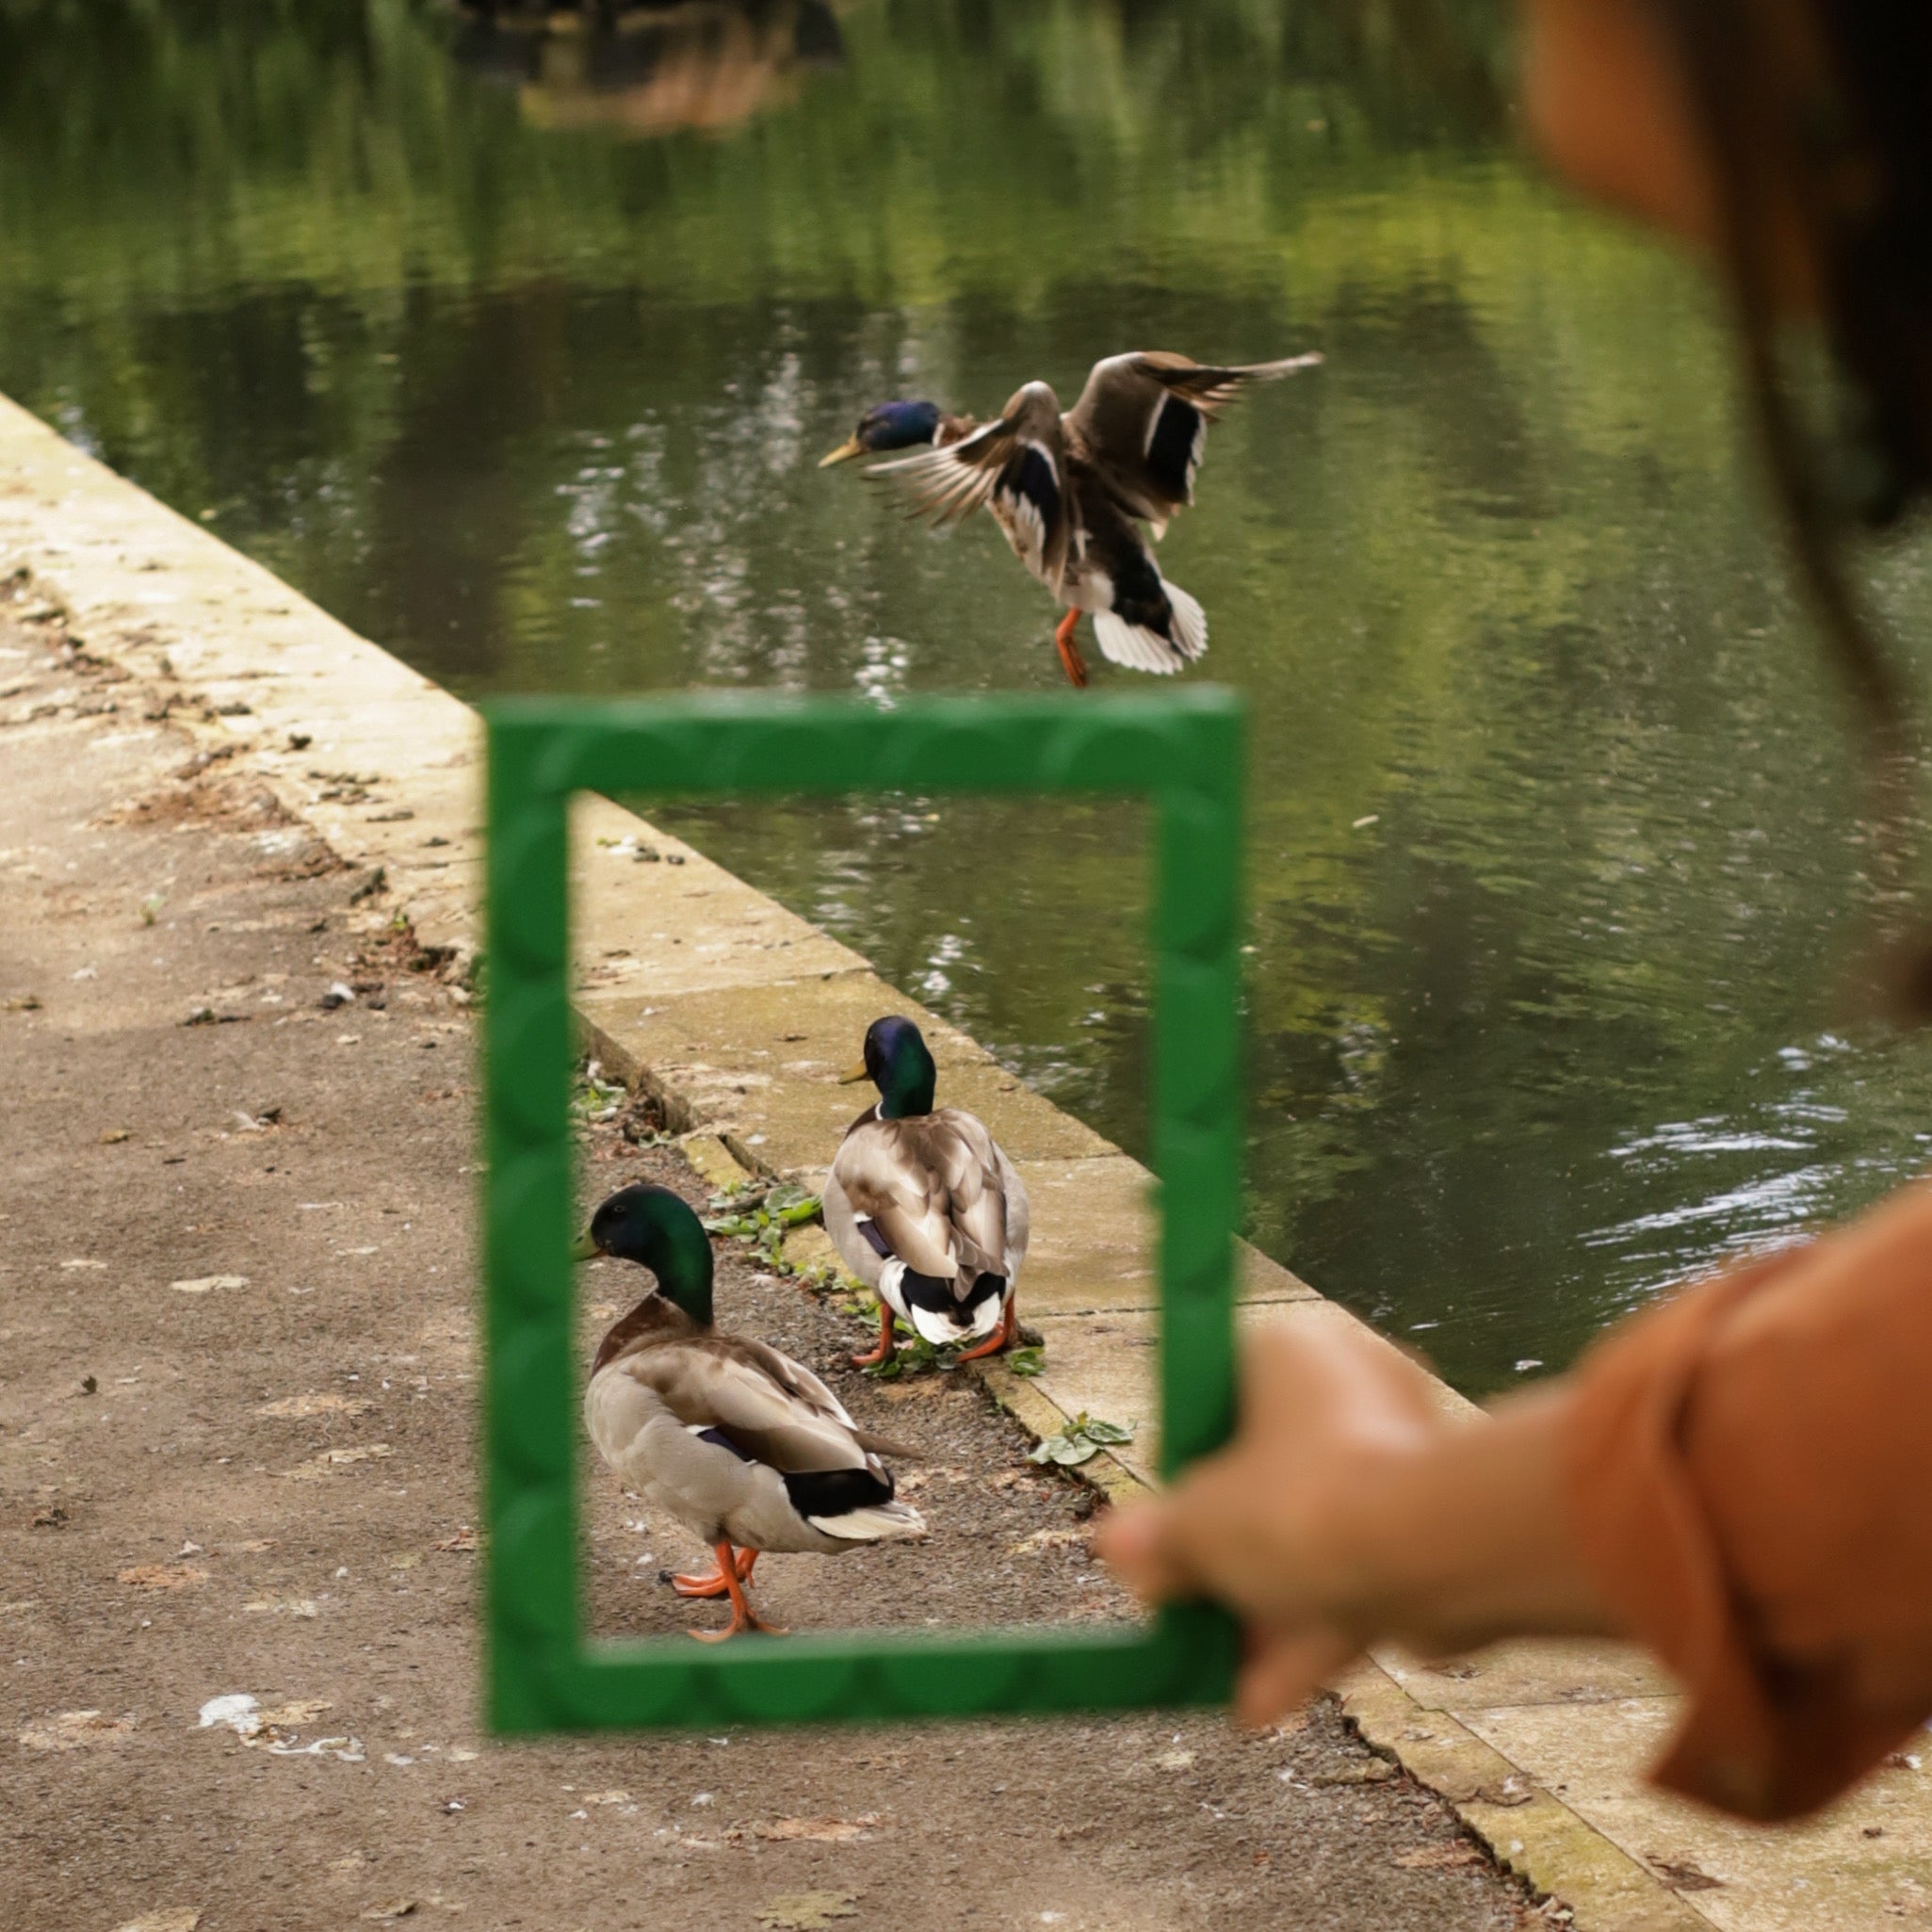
(1183, 753)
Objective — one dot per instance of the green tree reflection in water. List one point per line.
(1554, 845)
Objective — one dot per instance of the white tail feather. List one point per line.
(891, 1276)
(882, 1522)
(1122, 642)
(1140, 649)
(942, 1330)
(1189, 622)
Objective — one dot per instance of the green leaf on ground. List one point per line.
(1081, 1441)
(762, 1212)
(1027, 1361)
(792, 1205)
(596, 1099)
(914, 1355)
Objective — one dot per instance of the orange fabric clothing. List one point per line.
(1750, 1479)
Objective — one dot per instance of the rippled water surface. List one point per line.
(517, 350)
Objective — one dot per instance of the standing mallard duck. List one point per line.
(925, 1207)
(1071, 490)
(737, 1441)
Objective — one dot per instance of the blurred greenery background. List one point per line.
(514, 345)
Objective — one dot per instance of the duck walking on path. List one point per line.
(737, 1441)
(1072, 489)
(925, 1207)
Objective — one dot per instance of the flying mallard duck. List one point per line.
(734, 1439)
(1071, 490)
(924, 1207)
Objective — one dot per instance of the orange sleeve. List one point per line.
(1750, 1481)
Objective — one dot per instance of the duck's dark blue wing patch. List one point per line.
(1028, 499)
(1030, 476)
(718, 1439)
(1174, 450)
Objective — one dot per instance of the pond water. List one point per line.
(516, 347)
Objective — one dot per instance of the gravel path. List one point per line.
(238, 1370)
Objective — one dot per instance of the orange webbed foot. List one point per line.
(732, 1570)
(886, 1347)
(711, 1582)
(1002, 1338)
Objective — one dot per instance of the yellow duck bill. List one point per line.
(851, 447)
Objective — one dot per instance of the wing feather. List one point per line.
(933, 1190)
(768, 1405)
(1013, 467)
(1141, 421)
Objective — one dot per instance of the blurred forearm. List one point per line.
(1466, 1537)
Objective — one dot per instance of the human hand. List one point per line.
(1274, 1525)
(1353, 1507)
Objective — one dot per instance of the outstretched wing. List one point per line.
(1015, 468)
(1141, 422)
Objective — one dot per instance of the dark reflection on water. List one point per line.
(1552, 845)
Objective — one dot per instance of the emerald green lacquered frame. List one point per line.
(1183, 753)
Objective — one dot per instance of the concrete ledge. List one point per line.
(737, 1015)
(1528, 1828)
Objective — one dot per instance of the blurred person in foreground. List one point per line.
(1741, 1479)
